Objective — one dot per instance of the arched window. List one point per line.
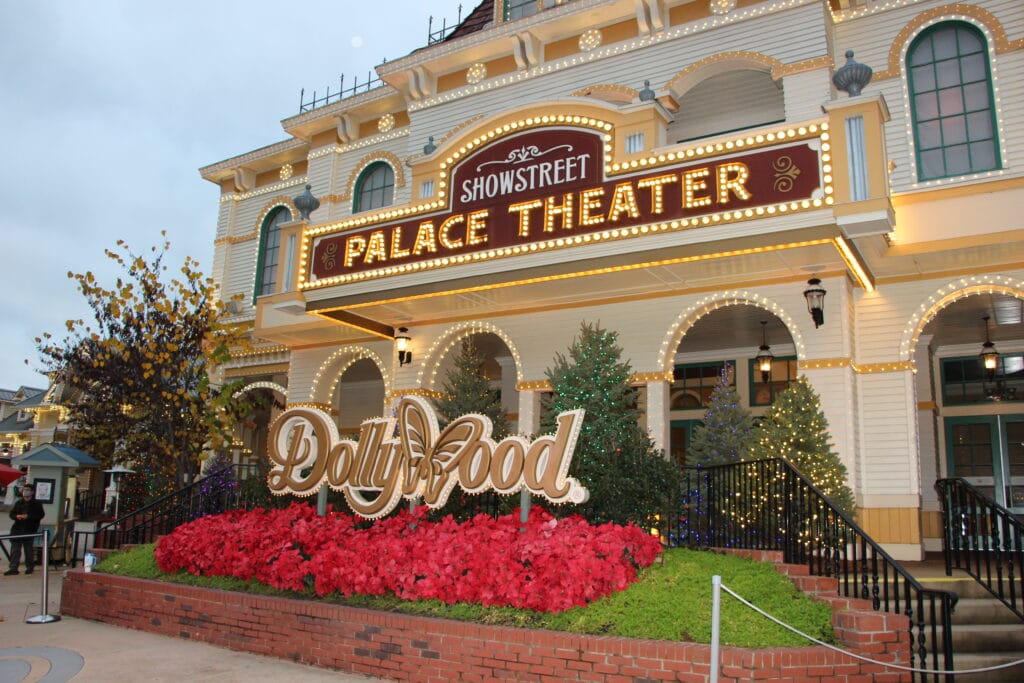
(375, 187)
(270, 251)
(951, 102)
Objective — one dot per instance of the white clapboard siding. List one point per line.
(659, 63)
(223, 219)
(887, 457)
(805, 92)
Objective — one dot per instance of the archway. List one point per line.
(971, 418)
(263, 401)
(726, 336)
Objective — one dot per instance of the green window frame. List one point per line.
(784, 372)
(964, 381)
(949, 79)
(269, 252)
(693, 383)
(375, 188)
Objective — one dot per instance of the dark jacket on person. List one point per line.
(34, 509)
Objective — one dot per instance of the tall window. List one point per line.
(375, 187)
(951, 102)
(270, 251)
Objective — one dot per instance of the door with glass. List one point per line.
(987, 451)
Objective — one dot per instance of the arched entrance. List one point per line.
(264, 401)
(359, 395)
(728, 337)
(973, 424)
(499, 364)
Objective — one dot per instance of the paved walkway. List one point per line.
(83, 651)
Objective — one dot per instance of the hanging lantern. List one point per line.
(989, 356)
(764, 355)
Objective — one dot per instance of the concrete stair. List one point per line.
(986, 633)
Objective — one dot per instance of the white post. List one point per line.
(716, 600)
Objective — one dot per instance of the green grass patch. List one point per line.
(670, 601)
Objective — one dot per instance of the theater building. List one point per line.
(694, 175)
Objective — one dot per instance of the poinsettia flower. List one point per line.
(550, 565)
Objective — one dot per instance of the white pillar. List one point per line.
(529, 412)
(509, 395)
(657, 413)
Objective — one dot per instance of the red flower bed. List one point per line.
(553, 565)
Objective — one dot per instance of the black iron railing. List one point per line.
(341, 93)
(215, 493)
(89, 504)
(769, 505)
(438, 35)
(983, 539)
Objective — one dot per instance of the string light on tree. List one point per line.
(615, 458)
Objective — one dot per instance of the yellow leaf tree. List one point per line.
(138, 377)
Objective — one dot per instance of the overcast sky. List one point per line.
(109, 107)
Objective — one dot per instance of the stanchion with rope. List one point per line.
(717, 586)
(716, 603)
(44, 617)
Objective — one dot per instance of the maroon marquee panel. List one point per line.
(550, 183)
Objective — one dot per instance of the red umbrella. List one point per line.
(9, 474)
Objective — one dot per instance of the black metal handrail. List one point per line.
(89, 504)
(214, 493)
(984, 539)
(769, 505)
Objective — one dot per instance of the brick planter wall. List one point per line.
(410, 648)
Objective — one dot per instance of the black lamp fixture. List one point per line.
(989, 356)
(764, 355)
(402, 343)
(815, 295)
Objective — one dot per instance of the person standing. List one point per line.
(26, 513)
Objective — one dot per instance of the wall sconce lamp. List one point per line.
(764, 356)
(989, 356)
(402, 344)
(815, 295)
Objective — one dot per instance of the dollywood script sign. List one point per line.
(418, 460)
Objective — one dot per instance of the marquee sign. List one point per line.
(547, 186)
(420, 460)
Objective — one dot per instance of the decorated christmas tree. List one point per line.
(628, 479)
(467, 390)
(217, 483)
(795, 428)
(727, 432)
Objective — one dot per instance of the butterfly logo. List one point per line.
(434, 453)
